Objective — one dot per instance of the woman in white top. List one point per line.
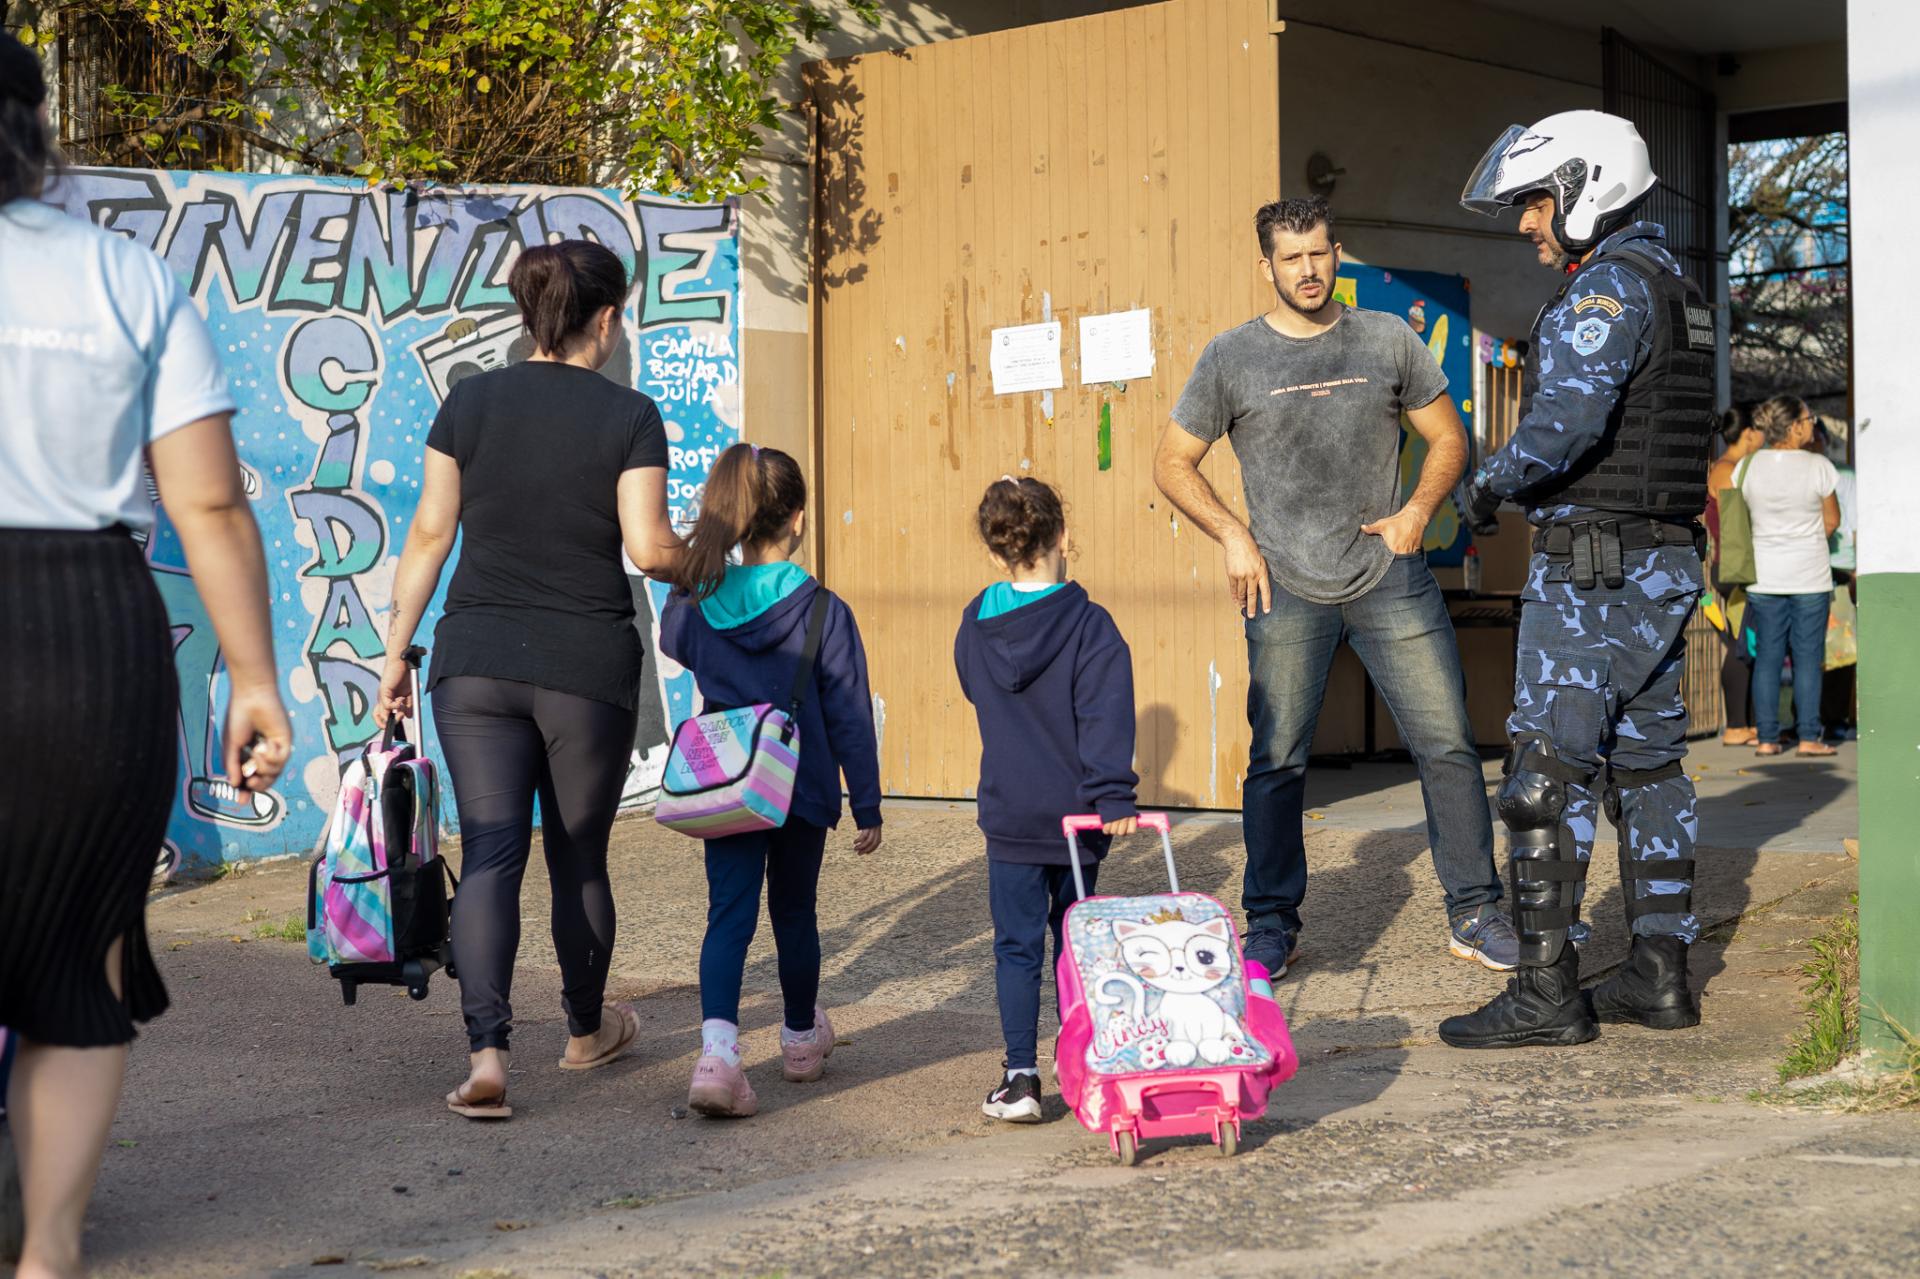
(105, 367)
(1790, 493)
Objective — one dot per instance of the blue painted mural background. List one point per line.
(1437, 307)
(343, 316)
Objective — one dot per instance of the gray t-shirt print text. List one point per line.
(1315, 425)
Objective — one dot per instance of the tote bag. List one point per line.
(1737, 567)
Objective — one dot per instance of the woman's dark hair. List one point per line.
(26, 153)
(751, 497)
(1735, 422)
(1021, 520)
(560, 287)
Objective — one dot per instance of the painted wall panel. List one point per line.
(343, 316)
(1094, 165)
(1884, 114)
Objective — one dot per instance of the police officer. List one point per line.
(1610, 459)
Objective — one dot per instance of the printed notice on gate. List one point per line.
(1116, 347)
(1026, 358)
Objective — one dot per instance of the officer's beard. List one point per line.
(1551, 254)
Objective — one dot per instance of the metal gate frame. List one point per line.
(1676, 117)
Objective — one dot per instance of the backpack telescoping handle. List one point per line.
(1071, 827)
(413, 656)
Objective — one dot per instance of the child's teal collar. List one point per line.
(748, 590)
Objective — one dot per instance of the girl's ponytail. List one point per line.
(751, 498)
(727, 509)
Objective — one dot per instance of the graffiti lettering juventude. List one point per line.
(344, 315)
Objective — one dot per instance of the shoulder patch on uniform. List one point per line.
(1590, 335)
(1599, 302)
(1700, 327)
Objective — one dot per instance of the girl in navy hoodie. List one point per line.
(1052, 683)
(740, 629)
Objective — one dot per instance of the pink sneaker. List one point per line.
(804, 1063)
(721, 1091)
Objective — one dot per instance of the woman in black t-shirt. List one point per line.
(547, 470)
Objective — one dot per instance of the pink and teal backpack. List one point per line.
(731, 771)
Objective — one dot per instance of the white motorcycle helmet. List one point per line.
(1594, 165)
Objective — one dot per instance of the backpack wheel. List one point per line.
(417, 992)
(1128, 1149)
(1229, 1139)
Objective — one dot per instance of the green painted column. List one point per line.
(1884, 120)
(1889, 806)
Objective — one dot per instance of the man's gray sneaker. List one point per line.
(1486, 936)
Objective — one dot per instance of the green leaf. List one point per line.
(670, 94)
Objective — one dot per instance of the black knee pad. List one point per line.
(1544, 871)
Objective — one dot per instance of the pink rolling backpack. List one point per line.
(1165, 1030)
(377, 902)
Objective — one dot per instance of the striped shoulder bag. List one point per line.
(731, 772)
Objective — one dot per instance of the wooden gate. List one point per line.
(1082, 167)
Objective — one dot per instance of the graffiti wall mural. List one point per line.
(1435, 306)
(344, 315)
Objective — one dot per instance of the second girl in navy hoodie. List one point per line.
(740, 629)
(1051, 680)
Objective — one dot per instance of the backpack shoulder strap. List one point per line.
(1642, 264)
(1740, 471)
(803, 674)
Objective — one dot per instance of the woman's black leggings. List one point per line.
(1736, 682)
(505, 742)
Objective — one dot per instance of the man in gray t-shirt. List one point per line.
(1312, 395)
(1315, 424)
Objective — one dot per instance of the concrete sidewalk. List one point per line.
(269, 1130)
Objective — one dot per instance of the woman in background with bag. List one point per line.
(547, 469)
(764, 632)
(1789, 495)
(117, 375)
(1731, 557)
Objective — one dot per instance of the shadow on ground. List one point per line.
(266, 1125)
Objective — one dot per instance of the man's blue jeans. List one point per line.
(1781, 622)
(1402, 634)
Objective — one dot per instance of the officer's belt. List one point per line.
(1596, 547)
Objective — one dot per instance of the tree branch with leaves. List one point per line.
(672, 96)
(1787, 262)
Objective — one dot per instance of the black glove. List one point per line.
(1481, 509)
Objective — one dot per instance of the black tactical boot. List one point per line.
(1650, 989)
(1541, 1007)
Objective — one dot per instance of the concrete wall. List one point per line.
(1801, 75)
(342, 317)
(1885, 93)
(1408, 126)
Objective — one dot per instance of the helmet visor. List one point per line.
(1482, 194)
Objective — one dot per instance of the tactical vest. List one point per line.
(1653, 458)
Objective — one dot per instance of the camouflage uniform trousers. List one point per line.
(1598, 672)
